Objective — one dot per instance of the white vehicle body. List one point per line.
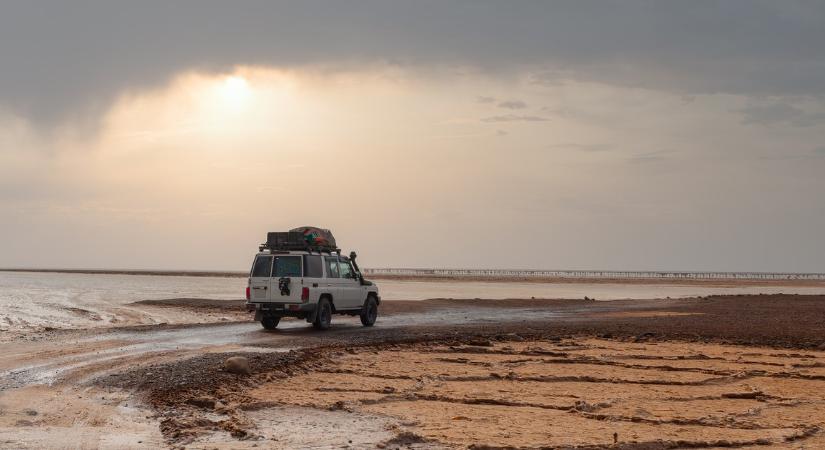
(295, 283)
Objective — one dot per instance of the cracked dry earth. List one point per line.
(591, 393)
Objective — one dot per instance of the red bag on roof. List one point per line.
(315, 236)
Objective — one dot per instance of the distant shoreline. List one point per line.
(514, 278)
(168, 273)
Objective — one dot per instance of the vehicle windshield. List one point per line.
(287, 266)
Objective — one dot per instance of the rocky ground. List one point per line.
(736, 371)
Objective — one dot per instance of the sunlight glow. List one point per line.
(236, 92)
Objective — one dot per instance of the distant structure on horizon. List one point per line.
(481, 273)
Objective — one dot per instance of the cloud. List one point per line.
(514, 118)
(512, 104)
(780, 113)
(648, 157)
(64, 60)
(582, 147)
(483, 99)
(819, 151)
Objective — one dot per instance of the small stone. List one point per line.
(238, 365)
(337, 406)
(202, 402)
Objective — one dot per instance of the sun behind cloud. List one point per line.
(235, 91)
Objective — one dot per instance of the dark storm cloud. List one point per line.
(780, 113)
(62, 59)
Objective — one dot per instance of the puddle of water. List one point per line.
(34, 300)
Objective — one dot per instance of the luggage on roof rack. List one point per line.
(285, 240)
(315, 236)
(303, 238)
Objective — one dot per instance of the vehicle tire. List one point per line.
(270, 323)
(323, 317)
(369, 312)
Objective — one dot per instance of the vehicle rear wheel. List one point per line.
(270, 323)
(324, 316)
(369, 312)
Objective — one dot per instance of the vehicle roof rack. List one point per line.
(293, 241)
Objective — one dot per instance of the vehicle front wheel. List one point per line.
(369, 312)
(270, 323)
(324, 316)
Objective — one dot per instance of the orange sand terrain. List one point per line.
(526, 394)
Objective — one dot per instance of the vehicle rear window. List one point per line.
(262, 266)
(313, 266)
(332, 267)
(287, 266)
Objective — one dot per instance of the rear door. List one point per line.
(351, 288)
(287, 268)
(333, 280)
(259, 279)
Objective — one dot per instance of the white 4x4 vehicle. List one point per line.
(309, 285)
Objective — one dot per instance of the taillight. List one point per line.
(304, 294)
(247, 292)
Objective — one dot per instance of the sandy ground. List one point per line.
(719, 371)
(581, 392)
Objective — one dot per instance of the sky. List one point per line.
(622, 135)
